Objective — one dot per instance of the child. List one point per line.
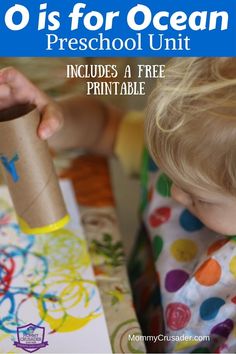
(89, 123)
(190, 132)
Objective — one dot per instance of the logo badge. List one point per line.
(30, 338)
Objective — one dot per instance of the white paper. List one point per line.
(47, 280)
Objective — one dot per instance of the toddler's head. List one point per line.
(191, 134)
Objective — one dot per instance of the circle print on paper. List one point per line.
(210, 308)
(223, 329)
(157, 246)
(159, 216)
(163, 185)
(184, 250)
(177, 315)
(189, 222)
(208, 273)
(175, 279)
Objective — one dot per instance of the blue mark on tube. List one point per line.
(10, 166)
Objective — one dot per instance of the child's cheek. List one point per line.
(209, 219)
(218, 222)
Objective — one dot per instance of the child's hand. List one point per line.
(15, 88)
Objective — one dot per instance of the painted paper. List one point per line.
(47, 281)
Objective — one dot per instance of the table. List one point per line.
(91, 180)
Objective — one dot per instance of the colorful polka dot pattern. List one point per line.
(175, 279)
(232, 266)
(177, 315)
(157, 246)
(164, 185)
(196, 270)
(208, 273)
(183, 250)
(159, 216)
(152, 167)
(189, 222)
(210, 308)
(223, 329)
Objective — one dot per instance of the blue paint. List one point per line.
(10, 166)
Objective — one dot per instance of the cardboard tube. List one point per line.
(29, 172)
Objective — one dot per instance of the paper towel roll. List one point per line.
(29, 172)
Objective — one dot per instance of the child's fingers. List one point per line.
(52, 121)
(15, 88)
(20, 89)
(5, 96)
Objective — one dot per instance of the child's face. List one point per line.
(216, 210)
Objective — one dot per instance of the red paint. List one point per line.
(5, 219)
(7, 266)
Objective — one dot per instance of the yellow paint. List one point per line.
(67, 256)
(65, 301)
(117, 294)
(44, 229)
(73, 293)
(3, 335)
(64, 250)
(69, 323)
(185, 344)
